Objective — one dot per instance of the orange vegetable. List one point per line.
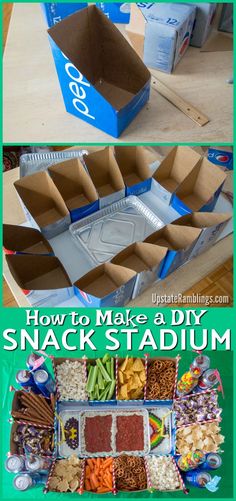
(98, 475)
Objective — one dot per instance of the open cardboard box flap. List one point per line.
(136, 29)
(73, 183)
(140, 256)
(104, 279)
(22, 239)
(42, 198)
(37, 272)
(101, 53)
(104, 171)
(176, 166)
(173, 237)
(203, 219)
(133, 163)
(201, 184)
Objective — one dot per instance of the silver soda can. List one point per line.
(44, 382)
(202, 361)
(14, 464)
(207, 380)
(23, 482)
(36, 463)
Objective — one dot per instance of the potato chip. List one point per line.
(121, 377)
(73, 485)
(138, 365)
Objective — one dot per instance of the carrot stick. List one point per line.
(87, 485)
(107, 462)
(94, 480)
(101, 490)
(90, 463)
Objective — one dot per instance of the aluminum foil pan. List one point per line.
(35, 162)
(114, 413)
(109, 230)
(71, 432)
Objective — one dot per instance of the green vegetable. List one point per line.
(103, 370)
(101, 381)
(105, 393)
(92, 379)
(111, 390)
(96, 392)
(112, 368)
(108, 368)
(106, 357)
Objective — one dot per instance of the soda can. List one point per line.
(207, 380)
(26, 380)
(44, 382)
(33, 362)
(15, 464)
(213, 461)
(201, 361)
(25, 481)
(197, 478)
(36, 464)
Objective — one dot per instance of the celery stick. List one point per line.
(91, 385)
(100, 381)
(106, 358)
(111, 390)
(96, 392)
(112, 368)
(103, 370)
(90, 374)
(108, 368)
(105, 393)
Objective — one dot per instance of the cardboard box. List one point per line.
(200, 189)
(211, 225)
(205, 13)
(160, 32)
(42, 279)
(23, 240)
(75, 187)
(115, 11)
(43, 204)
(175, 167)
(146, 260)
(106, 176)
(222, 156)
(102, 79)
(106, 285)
(55, 12)
(226, 18)
(134, 167)
(180, 242)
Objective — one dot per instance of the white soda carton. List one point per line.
(203, 23)
(161, 32)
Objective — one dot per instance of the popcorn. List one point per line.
(71, 378)
(163, 473)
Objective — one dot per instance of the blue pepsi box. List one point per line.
(222, 156)
(103, 81)
(116, 12)
(106, 285)
(55, 12)
(200, 190)
(75, 187)
(23, 240)
(180, 241)
(134, 167)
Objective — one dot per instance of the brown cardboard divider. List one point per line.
(73, 183)
(203, 219)
(104, 172)
(201, 184)
(37, 272)
(173, 237)
(133, 164)
(13, 446)
(136, 29)
(101, 53)
(140, 256)
(23, 239)
(104, 279)
(41, 197)
(175, 167)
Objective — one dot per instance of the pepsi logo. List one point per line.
(222, 158)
